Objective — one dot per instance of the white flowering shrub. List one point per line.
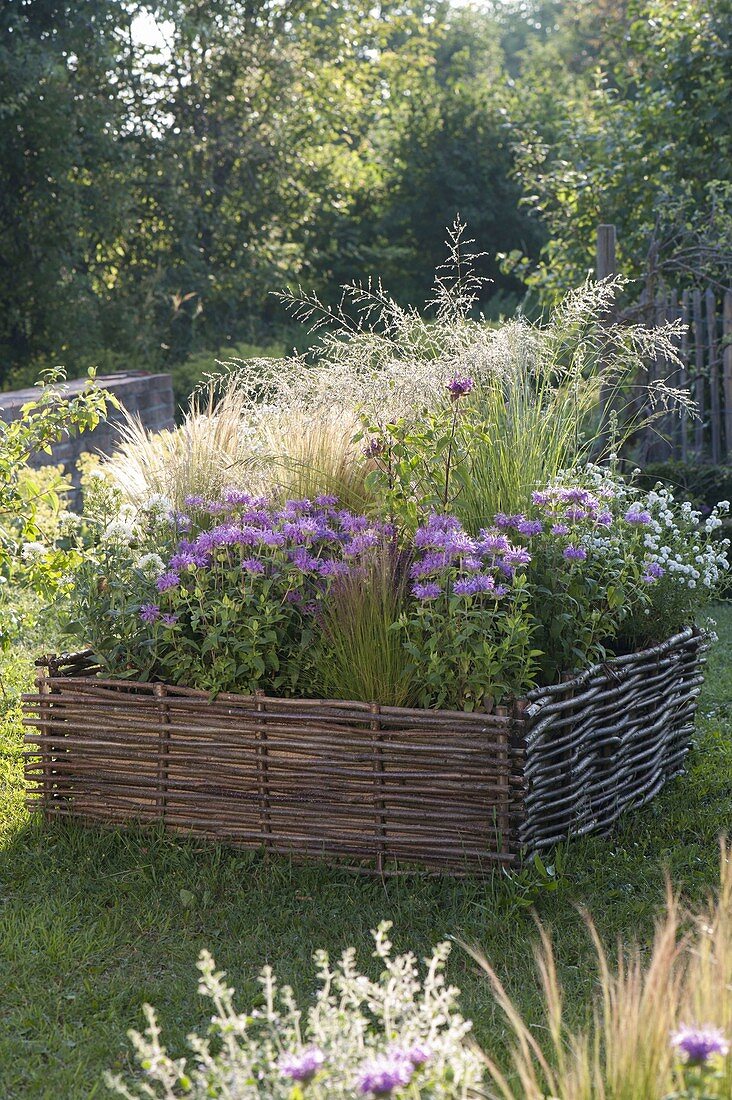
(400, 1035)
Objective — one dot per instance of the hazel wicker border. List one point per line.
(385, 789)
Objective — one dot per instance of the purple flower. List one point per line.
(635, 515)
(470, 586)
(182, 560)
(502, 520)
(574, 553)
(149, 612)
(459, 387)
(490, 542)
(236, 497)
(359, 543)
(560, 529)
(698, 1044)
(303, 1066)
(429, 591)
(169, 619)
(171, 579)
(530, 527)
(194, 502)
(540, 497)
(252, 565)
(653, 569)
(380, 1076)
(326, 500)
(605, 518)
(331, 568)
(418, 1054)
(574, 514)
(303, 561)
(516, 556)
(374, 448)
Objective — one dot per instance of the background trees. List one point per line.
(166, 164)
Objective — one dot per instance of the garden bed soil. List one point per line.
(379, 788)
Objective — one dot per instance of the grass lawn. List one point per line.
(93, 923)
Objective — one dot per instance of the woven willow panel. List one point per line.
(609, 739)
(379, 788)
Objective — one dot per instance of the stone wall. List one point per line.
(149, 396)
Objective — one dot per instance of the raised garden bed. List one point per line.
(382, 788)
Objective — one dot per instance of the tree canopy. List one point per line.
(166, 164)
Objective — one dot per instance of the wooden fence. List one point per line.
(705, 349)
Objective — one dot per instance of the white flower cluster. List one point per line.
(398, 1035)
(150, 565)
(123, 528)
(677, 538)
(32, 551)
(678, 541)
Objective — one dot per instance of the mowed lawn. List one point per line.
(94, 923)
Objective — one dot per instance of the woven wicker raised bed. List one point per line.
(381, 788)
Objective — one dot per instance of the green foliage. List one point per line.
(103, 920)
(628, 125)
(469, 652)
(30, 503)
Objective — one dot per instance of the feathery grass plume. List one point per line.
(642, 1016)
(301, 458)
(213, 448)
(284, 426)
(363, 657)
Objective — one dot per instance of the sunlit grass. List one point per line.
(94, 922)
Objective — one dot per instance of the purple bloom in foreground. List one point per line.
(574, 553)
(167, 580)
(530, 527)
(429, 591)
(516, 556)
(470, 586)
(380, 1076)
(149, 612)
(303, 1066)
(459, 387)
(698, 1044)
(326, 500)
(418, 1054)
(169, 619)
(560, 529)
(635, 515)
(252, 565)
(194, 502)
(605, 519)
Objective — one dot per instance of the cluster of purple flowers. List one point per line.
(459, 386)
(309, 541)
(449, 559)
(395, 1069)
(378, 1076)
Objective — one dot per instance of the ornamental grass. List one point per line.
(661, 1025)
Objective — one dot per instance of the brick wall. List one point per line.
(149, 396)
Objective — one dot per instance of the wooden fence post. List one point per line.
(605, 266)
(698, 375)
(714, 403)
(727, 370)
(605, 260)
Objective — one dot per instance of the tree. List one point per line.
(638, 137)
